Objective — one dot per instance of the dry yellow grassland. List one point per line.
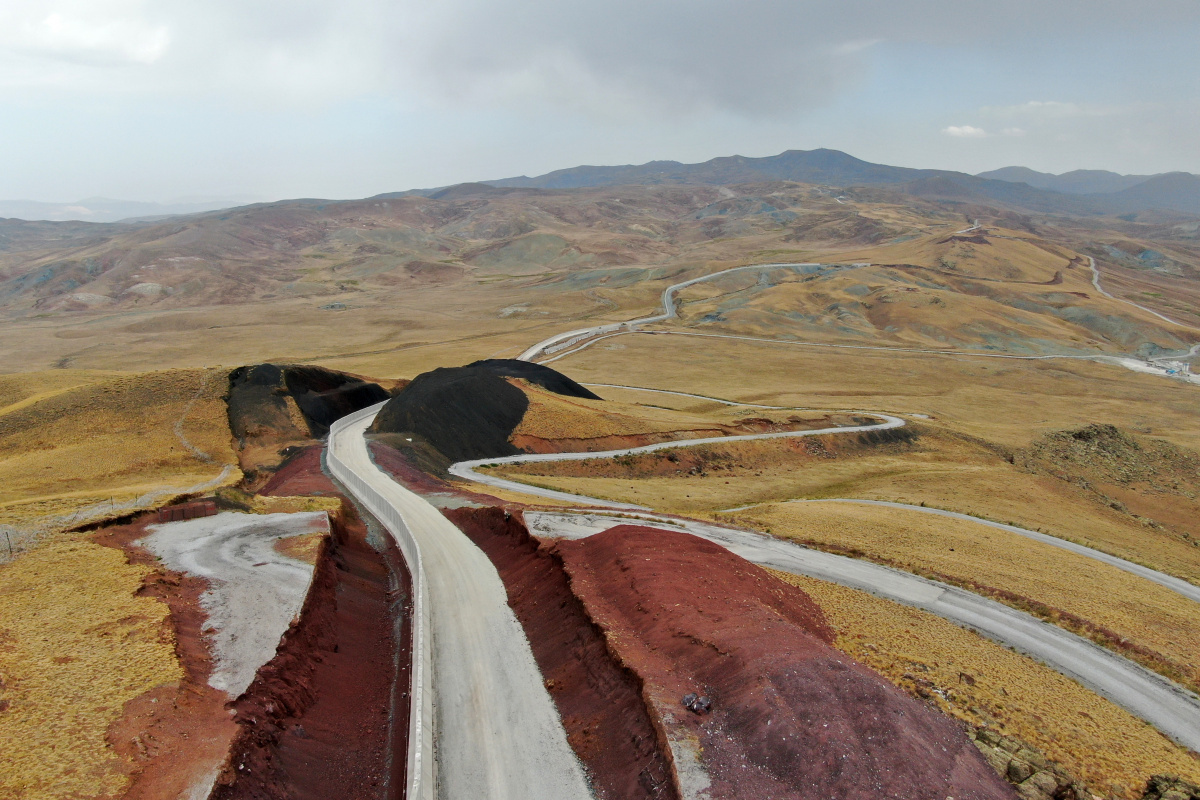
(1139, 611)
(984, 683)
(304, 547)
(1009, 402)
(1009, 255)
(76, 644)
(19, 390)
(284, 504)
(113, 436)
(966, 295)
(940, 470)
(555, 416)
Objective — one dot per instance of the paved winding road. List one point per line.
(495, 732)
(559, 342)
(478, 699)
(1100, 289)
(566, 344)
(466, 469)
(1172, 709)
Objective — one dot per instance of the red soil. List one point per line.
(174, 736)
(315, 722)
(300, 475)
(599, 701)
(394, 463)
(791, 717)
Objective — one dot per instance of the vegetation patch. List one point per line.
(78, 642)
(107, 440)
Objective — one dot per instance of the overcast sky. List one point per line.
(169, 99)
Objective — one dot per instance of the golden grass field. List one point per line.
(1138, 611)
(79, 440)
(76, 644)
(983, 683)
(552, 416)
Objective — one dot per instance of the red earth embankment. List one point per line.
(599, 700)
(315, 721)
(791, 717)
(300, 475)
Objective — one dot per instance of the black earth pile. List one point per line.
(470, 412)
(258, 398)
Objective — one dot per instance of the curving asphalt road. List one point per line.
(1100, 289)
(495, 730)
(556, 347)
(561, 341)
(1172, 709)
(479, 703)
(1168, 707)
(466, 469)
(1188, 590)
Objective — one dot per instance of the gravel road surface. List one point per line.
(254, 590)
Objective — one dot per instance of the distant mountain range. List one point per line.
(103, 209)
(1082, 192)
(1080, 181)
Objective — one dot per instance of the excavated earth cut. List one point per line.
(327, 717)
(791, 716)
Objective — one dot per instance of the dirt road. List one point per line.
(254, 590)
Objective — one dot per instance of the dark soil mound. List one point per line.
(325, 396)
(547, 378)
(470, 412)
(257, 398)
(791, 716)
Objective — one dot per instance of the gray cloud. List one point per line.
(756, 58)
(160, 98)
